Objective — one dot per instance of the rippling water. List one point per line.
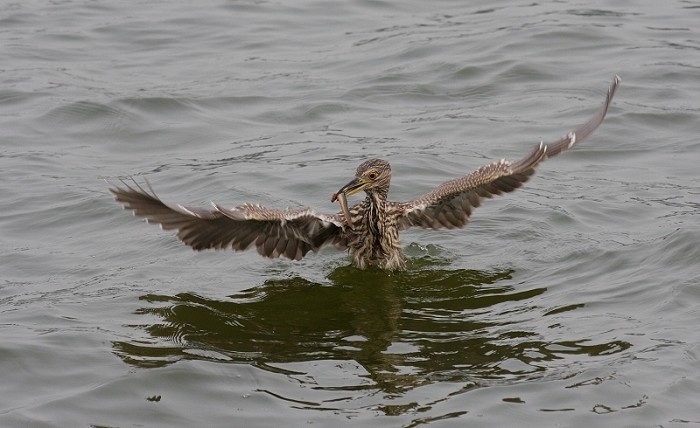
(572, 302)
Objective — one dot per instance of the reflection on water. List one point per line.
(404, 330)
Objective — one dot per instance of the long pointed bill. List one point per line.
(354, 186)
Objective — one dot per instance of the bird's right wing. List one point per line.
(451, 203)
(290, 233)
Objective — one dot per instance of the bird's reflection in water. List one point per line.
(405, 330)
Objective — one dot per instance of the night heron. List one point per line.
(369, 230)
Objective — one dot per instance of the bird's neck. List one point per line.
(381, 236)
(375, 216)
(377, 199)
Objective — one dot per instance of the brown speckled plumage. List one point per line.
(372, 237)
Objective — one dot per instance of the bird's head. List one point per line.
(371, 176)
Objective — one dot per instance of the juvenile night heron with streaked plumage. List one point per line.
(369, 230)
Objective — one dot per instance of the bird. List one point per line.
(368, 230)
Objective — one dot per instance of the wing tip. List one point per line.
(572, 139)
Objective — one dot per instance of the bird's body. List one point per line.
(369, 230)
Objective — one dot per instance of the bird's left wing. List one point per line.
(290, 233)
(451, 203)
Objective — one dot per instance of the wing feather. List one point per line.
(291, 233)
(451, 203)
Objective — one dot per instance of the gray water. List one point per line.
(571, 302)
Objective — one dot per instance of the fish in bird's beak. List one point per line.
(349, 189)
(343, 201)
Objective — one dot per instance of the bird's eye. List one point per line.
(372, 175)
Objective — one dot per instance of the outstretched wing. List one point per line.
(290, 233)
(451, 203)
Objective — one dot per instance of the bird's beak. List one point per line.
(352, 187)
